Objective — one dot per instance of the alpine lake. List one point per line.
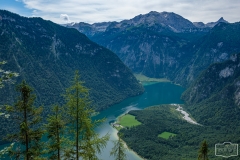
(156, 93)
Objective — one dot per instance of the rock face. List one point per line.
(166, 45)
(210, 24)
(216, 46)
(46, 55)
(153, 44)
(216, 93)
(163, 21)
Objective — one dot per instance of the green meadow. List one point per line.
(128, 121)
(166, 135)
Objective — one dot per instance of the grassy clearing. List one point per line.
(166, 135)
(143, 78)
(128, 121)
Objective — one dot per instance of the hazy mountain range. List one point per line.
(166, 45)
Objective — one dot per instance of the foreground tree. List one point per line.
(118, 151)
(5, 76)
(55, 133)
(28, 119)
(86, 142)
(203, 152)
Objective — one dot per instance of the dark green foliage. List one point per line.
(80, 129)
(55, 133)
(203, 151)
(144, 139)
(27, 119)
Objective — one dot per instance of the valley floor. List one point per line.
(143, 78)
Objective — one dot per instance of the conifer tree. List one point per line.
(86, 142)
(5, 76)
(28, 118)
(55, 132)
(118, 151)
(203, 152)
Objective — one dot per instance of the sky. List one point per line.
(92, 11)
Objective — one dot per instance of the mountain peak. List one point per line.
(153, 12)
(210, 24)
(222, 20)
(171, 20)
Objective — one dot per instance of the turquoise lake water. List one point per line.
(155, 94)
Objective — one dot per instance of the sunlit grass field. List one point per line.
(128, 121)
(166, 135)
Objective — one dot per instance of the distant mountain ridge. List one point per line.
(168, 20)
(165, 45)
(210, 24)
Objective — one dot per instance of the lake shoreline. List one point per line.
(125, 144)
(155, 94)
(145, 82)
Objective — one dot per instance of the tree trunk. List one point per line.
(25, 121)
(77, 125)
(58, 138)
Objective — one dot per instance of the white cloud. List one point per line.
(115, 10)
(65, 18)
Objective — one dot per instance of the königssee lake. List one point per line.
(155, 94)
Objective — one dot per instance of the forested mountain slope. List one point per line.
(46, 55)
(185, 144)
(216, 94)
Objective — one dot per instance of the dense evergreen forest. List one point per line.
(46, 55)
(184, 145)
(215, 94)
